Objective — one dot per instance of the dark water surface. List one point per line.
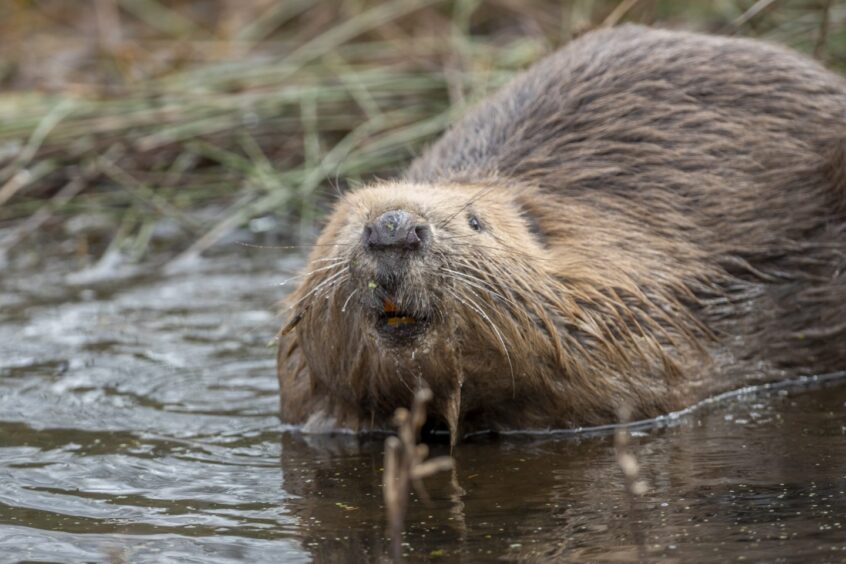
(137, 423)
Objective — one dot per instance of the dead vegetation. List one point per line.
(406, 465)
(635, 485)
(142, 125)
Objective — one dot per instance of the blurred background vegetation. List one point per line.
(162, 129)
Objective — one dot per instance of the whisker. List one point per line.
(325, 292)
(335, 259)
(496, 271)
(292, 247)
(344, 307)
(504, 248)
(483, 270)
(454, 237)
(304, 274)
(332, 278)
(479, 284)
(477, 309)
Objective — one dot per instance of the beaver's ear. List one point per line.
(533, 223)
(535, 215)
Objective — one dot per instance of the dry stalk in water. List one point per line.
(635, 486)
(406, 464)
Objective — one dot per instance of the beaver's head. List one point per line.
(406, 279)
(407, 259)
(452, 286)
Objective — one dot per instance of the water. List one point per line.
(137, 423)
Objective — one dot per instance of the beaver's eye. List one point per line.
(474, 223)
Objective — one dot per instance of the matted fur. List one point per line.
(664, 218)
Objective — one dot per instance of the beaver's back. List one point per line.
(622, 100)
(731, 147)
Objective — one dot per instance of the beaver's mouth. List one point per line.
(397, 325)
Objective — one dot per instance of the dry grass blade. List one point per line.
(756, 8)
(618, 13)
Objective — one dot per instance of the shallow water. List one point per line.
(137, 423)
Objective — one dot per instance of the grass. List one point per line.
(221, 117)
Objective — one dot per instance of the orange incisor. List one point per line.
(390, 308)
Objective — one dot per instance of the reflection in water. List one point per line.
(138, 419)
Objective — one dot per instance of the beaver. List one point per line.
(641, 220)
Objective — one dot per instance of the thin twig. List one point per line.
(635, 486)
(406, 465)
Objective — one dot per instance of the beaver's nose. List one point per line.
(395, 230)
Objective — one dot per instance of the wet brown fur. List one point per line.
(664, 218)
